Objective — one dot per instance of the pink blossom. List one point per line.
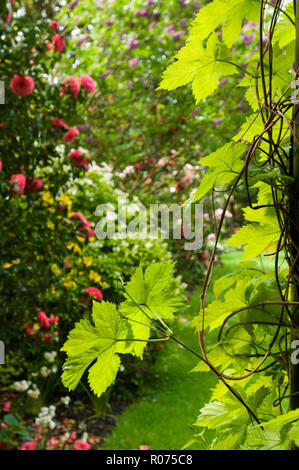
(143, 447)
(108, 22)
(54, 319)
(18, 183)
(247, 38)
(54, 24)
(88, 83)
(49, 46)
(91, 233)
(71, 135)
(47, 338)
(82, 39)
(132, 43)
(21, 85)
(29, 329)
(6, 406)
(94, 292)
(71, 85)
(80, 445)
(43, 319)
(217, 121)
(59, 42)
(78, 215)
(8, 18)
(52, 442)
(30, 445)
(33, 185)
(133, 62)
(59, 123)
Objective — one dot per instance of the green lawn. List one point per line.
(169, 402)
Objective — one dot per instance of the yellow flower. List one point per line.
(51, 225)
(93, 276)
(55, 269)
(66, 200)
(69, 284)
(73, 246)
(6, 265)
(104, 285)
(81, 239)
(46, 197)
(35, 328)
(87, 261)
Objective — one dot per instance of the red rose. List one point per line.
(71, 85)
(59, 43)
(43, 319)
(78, 215)
(33, 184)
(71, 135)
(59, 123)
(94, 292)
(49, 46)
(54, 24)
(88, 83)
(18, 183)
(21, 85)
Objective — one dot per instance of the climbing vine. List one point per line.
(253, 319)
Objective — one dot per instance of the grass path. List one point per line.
(169, 402)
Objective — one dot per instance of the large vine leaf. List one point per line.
(229, 13)
(200, 65)
(259, 236)
(147, 294)
(224, 165)
(102, 341)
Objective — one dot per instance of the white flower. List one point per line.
(22, 385)
(66, 400)
(44, 371)
(45, 417)
(34, 392)
(50, 356)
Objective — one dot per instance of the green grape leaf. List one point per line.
(260, 236)
(224, 165)
(230, 13)
(102, 341)
(200, 65)
(147, 294)
(284, 31)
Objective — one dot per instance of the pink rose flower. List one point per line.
(59, 123)
(80, 445)
(18, 183)
(59, 42)
(71, 135)
(21, 85)
(94, 292)
(71, 86)
(88, 83)
(30, 445)
(33, 185)
(78, 215)
(49, 46)
(43, 319)
(54, 24)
